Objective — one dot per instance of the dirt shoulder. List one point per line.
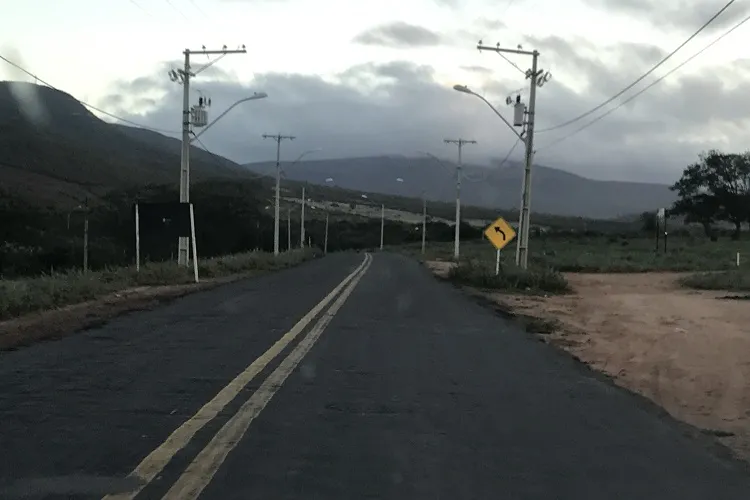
(687, 351)
(57, 323)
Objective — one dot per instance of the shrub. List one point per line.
(544, 280)
(732, 281)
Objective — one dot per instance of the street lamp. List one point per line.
(182, 254)
(302, 200)
(523, 217)
(254, 97)
(466, 90)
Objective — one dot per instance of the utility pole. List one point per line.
(460, 143)
(537, 78)
(278, 138)
(288, 229)
(382, 224)
(424, 221)
(183, 76)
(325, 240)
(302, 221)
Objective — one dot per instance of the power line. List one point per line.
(198, 8)
(485, 176)
(140, 7)
(644, 89)
(90, 106)
(177, 10)
(508, 6)
(512, 63)
(636, 82)
(216, 160)
(513, 148)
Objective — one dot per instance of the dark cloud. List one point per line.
(490, 24)
(399, 35)
(398, 108)
(477, 69)
(688, 15)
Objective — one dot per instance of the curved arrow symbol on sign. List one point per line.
(498, 230)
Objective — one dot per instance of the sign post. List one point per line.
(499, 233)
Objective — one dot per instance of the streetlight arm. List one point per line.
(466, 90)
(257, 95)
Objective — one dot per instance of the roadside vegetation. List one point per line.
(605, 254)
(26, 295)
(731, 281)
(532, 281)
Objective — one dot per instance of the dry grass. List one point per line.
(510, 278)
(732, 281)
(18, 297)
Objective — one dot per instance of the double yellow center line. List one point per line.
(202, 469)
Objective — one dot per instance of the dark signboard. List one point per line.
(161, 224)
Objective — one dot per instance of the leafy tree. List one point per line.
(716, 188)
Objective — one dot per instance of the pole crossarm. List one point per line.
(498, 49)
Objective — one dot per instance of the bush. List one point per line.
(474, 273)
(732, 281)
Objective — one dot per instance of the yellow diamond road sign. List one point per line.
(499, 233)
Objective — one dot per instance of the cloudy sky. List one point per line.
(356, 77)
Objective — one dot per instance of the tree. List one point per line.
(716, 188)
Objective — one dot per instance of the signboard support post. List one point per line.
(195, 245)
(137, 239)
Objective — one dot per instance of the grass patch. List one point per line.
(18, 297)
(533, 281)
(603, 254)
(737, 280)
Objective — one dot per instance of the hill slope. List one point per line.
(554, 191)
(54, 150)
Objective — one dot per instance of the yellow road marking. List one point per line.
(155, 462)
(202, 469)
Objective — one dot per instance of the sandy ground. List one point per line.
(687, 351)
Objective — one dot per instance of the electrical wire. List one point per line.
(513, 148)
(197, 7)
(178, 10)
(218, 163)
(485, 176)
(511, 63)
(90, 106)
(640, 79)
(644, 89)
(141, 8)
(507, 7)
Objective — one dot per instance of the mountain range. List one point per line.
(54, 151)
(553, 191)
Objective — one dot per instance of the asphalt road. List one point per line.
(395, 387)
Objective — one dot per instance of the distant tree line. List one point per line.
(230, 218)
